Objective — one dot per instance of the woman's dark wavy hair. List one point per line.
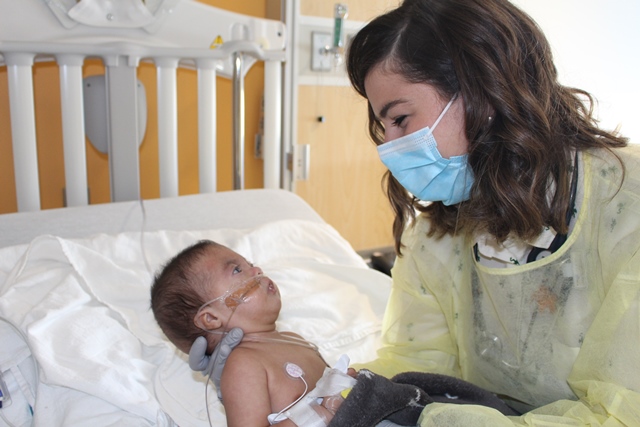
(178, 292)
(521, 123)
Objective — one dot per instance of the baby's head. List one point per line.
(201, 288)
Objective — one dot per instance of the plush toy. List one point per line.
(402, 398)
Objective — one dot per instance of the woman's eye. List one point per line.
(398, 120)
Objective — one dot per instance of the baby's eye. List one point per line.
(237, 269)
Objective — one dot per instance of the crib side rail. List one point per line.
(123, 132)
(122, 51)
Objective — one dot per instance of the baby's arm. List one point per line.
(245, 391)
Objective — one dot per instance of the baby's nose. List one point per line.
(256, 271)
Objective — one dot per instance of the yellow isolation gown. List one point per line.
(558, 338)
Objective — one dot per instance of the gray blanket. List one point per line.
(402, 398)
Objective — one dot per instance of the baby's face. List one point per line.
(238, 287)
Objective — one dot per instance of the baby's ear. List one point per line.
(207, 319)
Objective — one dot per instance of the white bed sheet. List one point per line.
(227, 209)
(83, 306)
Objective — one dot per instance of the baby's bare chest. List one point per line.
(290, 374)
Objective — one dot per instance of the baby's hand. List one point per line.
(327, 409)
(352, 372)
(332, 403)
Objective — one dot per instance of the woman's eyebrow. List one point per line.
(385, 109)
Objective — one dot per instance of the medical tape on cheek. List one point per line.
(235, 295)
(242, 292)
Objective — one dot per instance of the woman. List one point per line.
(517, 219)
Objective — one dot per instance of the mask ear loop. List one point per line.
(446, 108)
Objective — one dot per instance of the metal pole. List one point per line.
(238, 122)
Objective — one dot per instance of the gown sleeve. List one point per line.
(419, 316)
(419, 329)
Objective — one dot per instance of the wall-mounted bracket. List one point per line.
(299, 161)
(321, 60)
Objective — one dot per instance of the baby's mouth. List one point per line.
(271, 287)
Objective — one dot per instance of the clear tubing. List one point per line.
(237, 293)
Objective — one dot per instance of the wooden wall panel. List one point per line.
(8, 201)
(359, 10)
(344, 183)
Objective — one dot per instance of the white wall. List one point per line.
(596, 44)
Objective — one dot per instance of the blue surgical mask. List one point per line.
(414, 160)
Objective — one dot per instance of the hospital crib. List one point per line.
(167, 33)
